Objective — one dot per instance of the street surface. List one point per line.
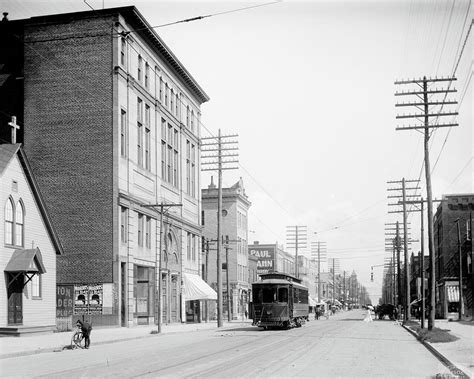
(343, 346)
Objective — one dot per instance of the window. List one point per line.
(192, 120)
(123, 133)
(202, 218)
(148, 233)
(161, 89)
(177, 106)
(139, 132)
(36, 287)
(140, 64)
(188, 246)
(147, 138)
(140, 229)
(194, 247)
(193, 170)
(147, 76)
(187, 116)
(188, 167)
(169, 153)
(9, 222)
(166, 95)
(123, 224)
(172, 101)
(123, 47)
(19, 230)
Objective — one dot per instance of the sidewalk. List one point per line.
(35, 344)
(459, 353)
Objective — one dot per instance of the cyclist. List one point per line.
(86, 329)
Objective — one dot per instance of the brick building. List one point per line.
(453, 207)
(112, 126)
(234, 227)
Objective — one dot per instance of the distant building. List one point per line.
(334, 265)
(308, 273)
(29, 246)
(453, 207)
(234, 228)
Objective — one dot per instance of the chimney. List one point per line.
(5, 18)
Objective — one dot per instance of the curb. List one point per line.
(106, 342)
(445, 361)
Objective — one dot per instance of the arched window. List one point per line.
(19, 224)
(9, 222)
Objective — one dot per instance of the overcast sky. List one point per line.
(309, 88)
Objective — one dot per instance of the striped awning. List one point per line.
(197, 289)
(453, 294)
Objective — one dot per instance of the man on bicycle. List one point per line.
(86, 329)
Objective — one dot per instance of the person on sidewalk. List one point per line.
(86, 329)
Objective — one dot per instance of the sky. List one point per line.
(309, 88)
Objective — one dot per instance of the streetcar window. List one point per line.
(269, 295)
(258, 296)
(283, 295)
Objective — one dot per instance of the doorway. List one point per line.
(15, 298)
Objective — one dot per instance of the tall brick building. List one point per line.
(111, 126)
(234, 227)
(452, 208)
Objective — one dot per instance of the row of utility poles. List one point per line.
(427, 100)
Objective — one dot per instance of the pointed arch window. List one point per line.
(19, 224)
(9, 222)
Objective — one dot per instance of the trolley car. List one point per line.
(279, 300)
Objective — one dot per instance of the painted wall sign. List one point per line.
(64, 300)
(265, 259)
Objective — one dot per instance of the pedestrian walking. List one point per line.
(86, 329)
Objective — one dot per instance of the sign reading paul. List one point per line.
(265, 259)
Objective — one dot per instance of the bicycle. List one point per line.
(77, 339)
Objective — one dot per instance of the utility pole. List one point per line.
(219, 147)
(206, 277)
(461, 304)
(316, 249)
(404, 196)
(296, 237)
(436, 110)
(158, 262)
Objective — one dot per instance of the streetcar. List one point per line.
(279, 301)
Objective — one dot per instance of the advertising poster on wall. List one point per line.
(95, 299)
(265, 259)
(88, 299)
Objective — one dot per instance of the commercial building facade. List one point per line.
(456, 208)
(112, 128)
(234, 229)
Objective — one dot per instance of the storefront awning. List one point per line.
(453, 294)
(311, 301)
(197, 289)
(26, 260)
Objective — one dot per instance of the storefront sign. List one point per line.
(265, 259)
(88, 299)
(64, 300)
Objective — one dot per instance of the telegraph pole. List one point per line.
(318, 245)
(158, 262)
(404, 196)
(296, 238)
(219, 147)
(437, 105)
(227, 247)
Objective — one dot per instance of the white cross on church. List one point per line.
(15, 127)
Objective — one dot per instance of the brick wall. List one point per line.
(68, 138)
